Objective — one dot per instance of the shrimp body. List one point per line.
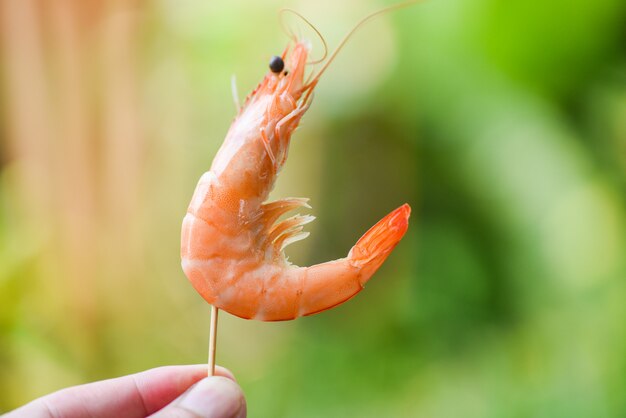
(232, 246)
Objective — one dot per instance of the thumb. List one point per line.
(211, 397)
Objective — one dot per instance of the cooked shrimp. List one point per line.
(232, 244)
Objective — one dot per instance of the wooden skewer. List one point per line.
(212, 340)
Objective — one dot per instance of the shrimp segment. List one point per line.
(232, 244)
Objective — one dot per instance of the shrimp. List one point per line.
(232, 244)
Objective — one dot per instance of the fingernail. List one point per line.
(215, 397)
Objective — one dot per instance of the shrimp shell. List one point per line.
(232, 245)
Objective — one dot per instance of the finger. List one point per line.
(212, 397)
(162, 387)
(131, 396)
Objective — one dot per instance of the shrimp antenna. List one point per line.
(352, 31)
(290, 33)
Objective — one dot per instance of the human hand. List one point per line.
(171, 391)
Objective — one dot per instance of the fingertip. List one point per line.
(215, 397)
(159, 386)
(224, 372)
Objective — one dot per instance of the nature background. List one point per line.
(502, 122)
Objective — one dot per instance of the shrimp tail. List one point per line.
(332, 283)
(377, 243)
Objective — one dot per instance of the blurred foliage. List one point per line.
(503, 124)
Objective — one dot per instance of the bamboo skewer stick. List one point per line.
(212, 340)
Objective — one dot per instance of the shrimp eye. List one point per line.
(276, 64)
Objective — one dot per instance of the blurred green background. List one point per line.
(502, 123)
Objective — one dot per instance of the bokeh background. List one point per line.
(502, 122)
